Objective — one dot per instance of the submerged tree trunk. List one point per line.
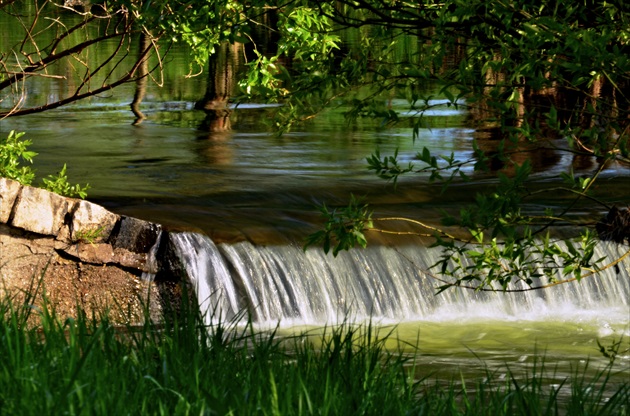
(142, 78)
(223, 67)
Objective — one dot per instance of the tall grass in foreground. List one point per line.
(88, 366)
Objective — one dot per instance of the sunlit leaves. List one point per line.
(440, 168)
(306, 34)
(13, 152)
(59, 184)
(516, 262)
(265, 76)
(344, 227)
(201, 24)
(580, 182)
(306, 43)
(301, 73)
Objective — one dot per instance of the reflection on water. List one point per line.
(168, 170)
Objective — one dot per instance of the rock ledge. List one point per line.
(79, 255)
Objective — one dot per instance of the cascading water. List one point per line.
(209, 275)
(286, 284)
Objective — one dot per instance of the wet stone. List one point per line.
(135, 235)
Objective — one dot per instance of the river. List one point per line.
(255, 193)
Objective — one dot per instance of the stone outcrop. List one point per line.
(78, 254)
(39, 211)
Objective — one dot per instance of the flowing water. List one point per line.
(250, 197)
(456, 332)
(382, 283)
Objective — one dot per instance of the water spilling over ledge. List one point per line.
(285, 284)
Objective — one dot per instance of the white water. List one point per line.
(285, 284)
(209, 275)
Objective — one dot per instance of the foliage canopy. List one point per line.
(533, 76)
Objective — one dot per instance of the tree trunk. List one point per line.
(142, 78)
(223, 67)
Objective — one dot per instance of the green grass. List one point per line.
(89, 366)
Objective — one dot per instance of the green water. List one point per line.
(466, 350)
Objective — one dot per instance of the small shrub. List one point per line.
(13, 151)
(89, 235)
(59, 184)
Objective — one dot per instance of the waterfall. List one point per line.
(284, 283)
(212, 281)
